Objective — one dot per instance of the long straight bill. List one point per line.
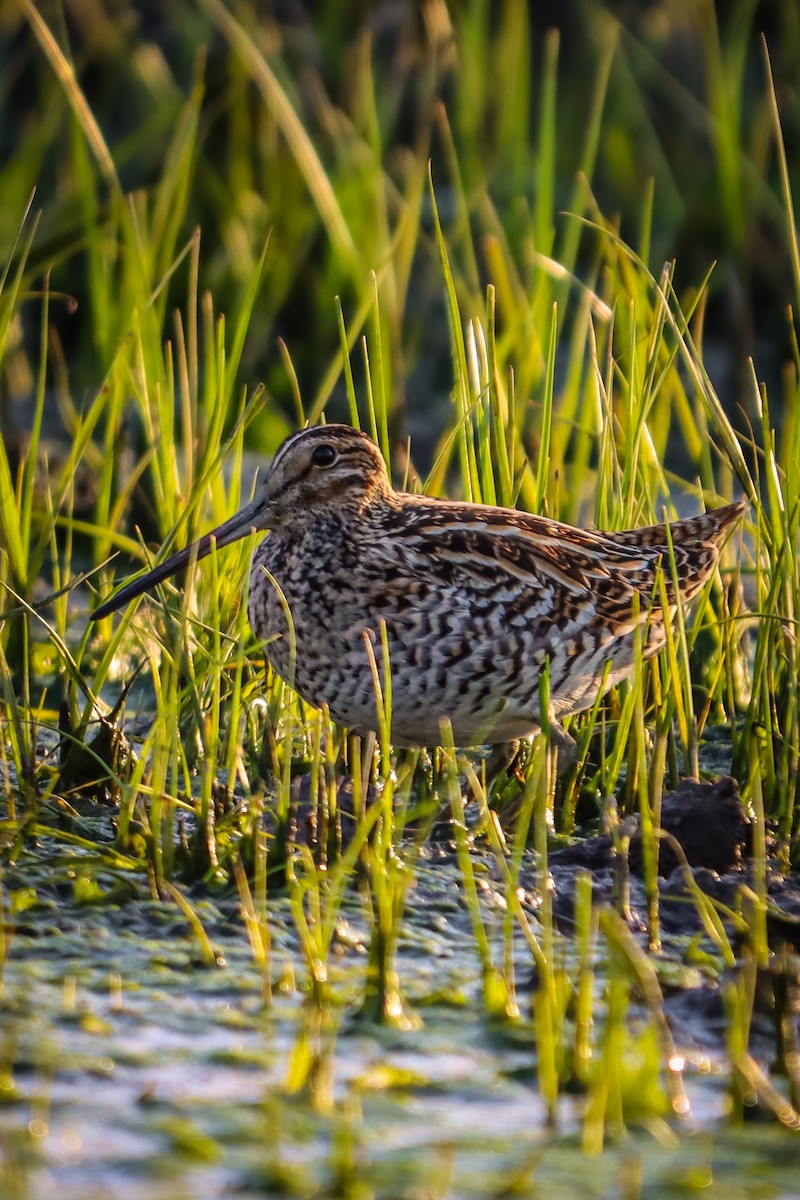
(244, 522)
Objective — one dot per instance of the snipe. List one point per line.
(475, 599)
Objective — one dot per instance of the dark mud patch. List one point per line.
(706, 819)
(707, 849)
(707, 844)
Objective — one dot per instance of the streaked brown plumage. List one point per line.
(475, 599)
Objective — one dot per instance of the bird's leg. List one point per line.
(564, 746)
(507, 756)
(503, 758)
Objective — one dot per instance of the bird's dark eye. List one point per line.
(323, 456)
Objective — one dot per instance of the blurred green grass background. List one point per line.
(313, 124)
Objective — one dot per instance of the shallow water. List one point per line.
(130, 1069)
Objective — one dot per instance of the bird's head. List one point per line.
(331, 468)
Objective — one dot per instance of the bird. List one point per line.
(472, 602)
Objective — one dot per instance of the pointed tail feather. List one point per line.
(709, 528)
(696, 544)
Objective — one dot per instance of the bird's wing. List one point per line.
(526, 562)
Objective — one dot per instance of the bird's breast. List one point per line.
(306, 607)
